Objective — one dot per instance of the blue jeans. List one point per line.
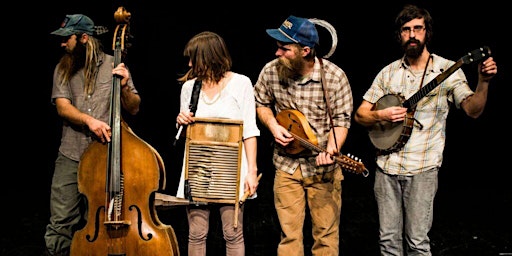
(66, 206)
(405, 205)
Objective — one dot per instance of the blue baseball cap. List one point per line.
(296, 30)
(75, 23)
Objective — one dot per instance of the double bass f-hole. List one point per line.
(119, 180)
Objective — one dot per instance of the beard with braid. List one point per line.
(290, 68)
(415, 51)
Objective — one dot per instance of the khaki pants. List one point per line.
(322, 193)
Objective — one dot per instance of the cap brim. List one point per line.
(278, 35)
(62, 32)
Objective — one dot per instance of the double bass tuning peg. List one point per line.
(122, 15)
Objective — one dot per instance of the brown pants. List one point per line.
(322, 193)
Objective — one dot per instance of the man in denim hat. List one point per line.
(82, 82)
(295, 80)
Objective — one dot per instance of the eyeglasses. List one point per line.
(416, 29)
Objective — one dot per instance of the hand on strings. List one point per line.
(122, 71)
(327, 157)
(392, 114)
(281, 135)
(101, 130)
(324, 158)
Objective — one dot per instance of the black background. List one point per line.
(472, 214)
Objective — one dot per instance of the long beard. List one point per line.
(72, 61)
(290, 68)
(78, 58)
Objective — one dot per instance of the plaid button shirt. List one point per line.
(424, 148)
(307, 96)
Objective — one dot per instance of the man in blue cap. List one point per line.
(75, 23)
(298, 80)
(81, 93)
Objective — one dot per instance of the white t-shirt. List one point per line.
(236, 101)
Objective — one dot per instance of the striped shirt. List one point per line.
(307, 96)
(424, 148)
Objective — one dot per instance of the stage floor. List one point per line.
(468, 221)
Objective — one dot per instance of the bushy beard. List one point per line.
(413, 51)
(290, 68)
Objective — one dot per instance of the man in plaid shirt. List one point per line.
(293, 81)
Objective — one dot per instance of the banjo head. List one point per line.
(386, 135)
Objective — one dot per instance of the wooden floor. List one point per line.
(468, 221)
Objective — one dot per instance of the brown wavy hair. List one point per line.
(210, 58)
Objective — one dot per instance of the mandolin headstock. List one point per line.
(352, 164)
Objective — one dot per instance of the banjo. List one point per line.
(388, 137)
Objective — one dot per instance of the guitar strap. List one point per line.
(194, 98)
(413, 109)
(423, 76)
(322, 80)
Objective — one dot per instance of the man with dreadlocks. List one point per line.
(81, 92)
(296, 80)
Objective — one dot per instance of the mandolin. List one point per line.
(304, 140)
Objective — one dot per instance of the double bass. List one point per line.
(119, 180)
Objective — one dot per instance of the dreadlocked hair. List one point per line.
(70, 64)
